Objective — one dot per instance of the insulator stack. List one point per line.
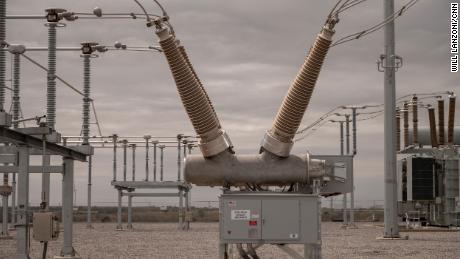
(185, 56)
(406, 125)
(51, 79)
(16, 96)
(441, 129)
(296, 101)
(415, 119)
(194, 98)
(398, 130)
(86, 97)
(451, 118)
(2, 53)
(434, 138)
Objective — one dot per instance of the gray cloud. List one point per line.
(246, 53)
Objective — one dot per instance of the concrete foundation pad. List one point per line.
(393, 238)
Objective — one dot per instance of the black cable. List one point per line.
(45, 248)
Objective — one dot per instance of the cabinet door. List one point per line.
(280, 219)
(241, 219)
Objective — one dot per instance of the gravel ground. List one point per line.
(165, 241)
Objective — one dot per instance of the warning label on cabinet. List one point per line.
(240, 214)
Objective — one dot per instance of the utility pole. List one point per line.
(391, 228)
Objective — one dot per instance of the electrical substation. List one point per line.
(272, 201)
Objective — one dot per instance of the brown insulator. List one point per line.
(406, 125)
(415, 119)
(451, 120)
(398, 130)
(434, 138)
(194, 98)
(295, 103)
(185, 56)
(441, 130)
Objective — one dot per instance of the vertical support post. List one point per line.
(391, 228)
(355, 150)
(114, 140)
(187, 209)
(347, 132)
(88, 211)
(125, 147)
(181, 208)
(341, 138)
(22, 227)
(119, 226)
(67, 208)
(398, 130)
(155, 143)
(130, 219)
(162, 147)
(179, 163)
(5, 232)
(147, 140)
(347, 136)
(133, 146)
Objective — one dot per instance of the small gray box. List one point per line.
(269, 218)
(46, 226)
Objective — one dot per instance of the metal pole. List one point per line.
(5, 209)
(353, 112)
(391, 228)
(179, 137)
(187, 209)
(114, 139)
(398, 130)
(181, 208)
(22, 227)
(130, 222)
(88, 213)
(147, 140)
(347, 132)
(67, 208)
(355, 150)
(162, 147)
(133, 146)
(347, 135)
(341, 138)
(155, 143)
(119, 226)
(125, 146)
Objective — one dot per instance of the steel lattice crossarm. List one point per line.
(13, 136)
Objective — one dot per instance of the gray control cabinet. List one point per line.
(272, 218)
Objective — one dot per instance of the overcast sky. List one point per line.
(246, 53)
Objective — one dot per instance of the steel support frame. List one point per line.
(22, 225)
